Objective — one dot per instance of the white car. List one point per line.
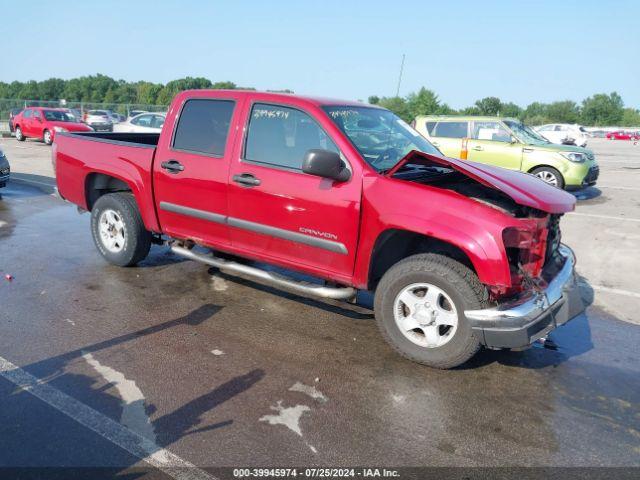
(143, 123)
(564, 134)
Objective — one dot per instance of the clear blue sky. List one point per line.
(520, 51)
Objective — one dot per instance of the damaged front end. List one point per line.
(543, 293)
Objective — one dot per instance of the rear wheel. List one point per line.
(118, 230)
(19, 135)
(549, 175)
(47, 137)
(419, 308)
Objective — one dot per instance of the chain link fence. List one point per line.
(11, 104)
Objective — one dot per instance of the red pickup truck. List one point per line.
(460, 255)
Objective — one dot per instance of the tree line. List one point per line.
(597, 110)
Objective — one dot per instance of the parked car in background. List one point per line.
(12, 114)
(44, 123)
(564, 134)
(622, 135)
(5, 170)
(135, 113)
(145, 122)
(459, 255)
(99, 120)
(508, 143)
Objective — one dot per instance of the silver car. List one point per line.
(99, 120)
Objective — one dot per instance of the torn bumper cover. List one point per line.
(521, 321)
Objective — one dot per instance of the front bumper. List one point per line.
(520, 322)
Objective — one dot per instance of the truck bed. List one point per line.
(145, 139)
(82, 159)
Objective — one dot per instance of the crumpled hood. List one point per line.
(522, 188)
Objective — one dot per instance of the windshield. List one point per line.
(381, 137)
(57, 116)
(525, 134)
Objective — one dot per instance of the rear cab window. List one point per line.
(203, 126)
(453, 129)
(279, 136)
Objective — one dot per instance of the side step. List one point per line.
(336, 293)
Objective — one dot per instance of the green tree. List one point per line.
(489, 106)
(630, 118)
(424, 102)
(563, 112)
(397, 105)
(511, 110)
(602, 109)
(373, 100)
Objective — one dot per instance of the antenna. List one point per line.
(400, 76)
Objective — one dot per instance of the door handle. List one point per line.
(527, 150)
(246, 179)
(172, 166)
(478, 148)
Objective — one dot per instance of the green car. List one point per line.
(508, 143)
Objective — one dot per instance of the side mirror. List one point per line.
(326, 164)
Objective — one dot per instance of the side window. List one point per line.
(490, 131)
(142, 121)
(559, 128)
(451, 129)
(27, 114)
(281, 136)
(430, 126)
(157, 121)
(37, 114)
(546, 128)
(203, 126)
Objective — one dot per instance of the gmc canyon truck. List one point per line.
(460, 255)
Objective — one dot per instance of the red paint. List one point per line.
(354, 213)
(35, 126)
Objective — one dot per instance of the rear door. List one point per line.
(281, 214)
(491, 143)
(191, 169)
(448, 135)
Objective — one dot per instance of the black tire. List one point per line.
(19, 135)
(137, 240)
(549, 170)
(457, 281)
(44, 137)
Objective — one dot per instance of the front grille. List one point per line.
(4, 171)
(592, 174)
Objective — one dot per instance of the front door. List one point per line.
(191, 169)
(491, 143)
(281, 214)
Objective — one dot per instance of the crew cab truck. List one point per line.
(460, 255)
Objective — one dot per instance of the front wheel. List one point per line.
(549, 175)
(19, 134)
(118, 230)
(419, 309)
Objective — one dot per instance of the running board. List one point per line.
(336, 293)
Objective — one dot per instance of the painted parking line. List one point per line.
(135, 444)
(607, 217)
(617, 291)
(615, 187)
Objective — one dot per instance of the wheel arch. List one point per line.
(393, 245)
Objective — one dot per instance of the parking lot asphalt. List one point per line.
(214, 370)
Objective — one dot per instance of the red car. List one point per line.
(44, 123)
(621, 135)
(459, 254)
